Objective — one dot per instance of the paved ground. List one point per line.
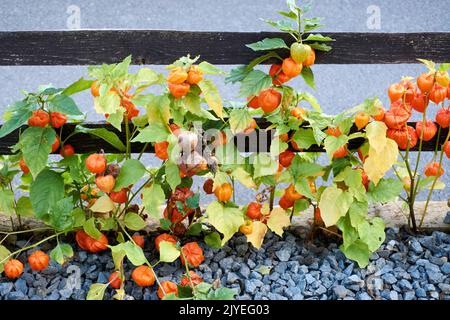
(338, 86)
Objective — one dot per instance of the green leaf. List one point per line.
(185, 292)
(358, 213)
(254, 83)
(79, 217)
(4, 254)
(208, 68)
(194, 230)
(301, 205)
(304, 138)
(7, 202)
(64, 104)
(152, 199)
(146, 77)
(237, 74)
(222, 294)
(165, 224)
(333, 143)
(46, 189)
(213, 240)
(17, 119)
(193, 201)
(372, 233)
(134, 253)
(131, 172)
(118, 252)
(121, 69)
(283, 25)
(264, 165)
(168, 252)
(172, 175)
(24, 207)
(212, 96)
(104, 134)
(318, 37)
(268, 44)
(349, 233)
(305, 169)
(444, 67)
(154, 132)
(302, 186)
(107, 224)
(91, 229)
(116, 118)
(78, 86)
(36, 145)
(311, 100)
(96, 291)
(320, 46)
(357, 251)
(134, 222)
(61, 252)
(308, 76)
(192, 103)
(239, 120)
(61, 214)
(226, 220)
(386, 190)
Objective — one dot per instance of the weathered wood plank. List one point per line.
(86, 47)
(84, 143)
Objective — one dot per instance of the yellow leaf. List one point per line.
(278, 220)
(226, 220)
(107, 103)
(376, 134)
(219, 179)
(383, 152)
(256, 238)
(103, 204)
(244, 177)
(212, 97)
(334, 204)
(158, 110)
(265, 209)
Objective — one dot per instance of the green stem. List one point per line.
(142, 151)
(30, 247)
(424, 119)
(436, 178)
(24, 231)
(187, 269)
(412, 215)
(127, 134)
(146, 261)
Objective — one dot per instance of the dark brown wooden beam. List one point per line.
(89, 47)
(84, 143)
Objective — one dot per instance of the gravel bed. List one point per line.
(288, 268)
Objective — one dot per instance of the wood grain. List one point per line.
(89, 47)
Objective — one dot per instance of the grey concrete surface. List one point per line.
(338, 86)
